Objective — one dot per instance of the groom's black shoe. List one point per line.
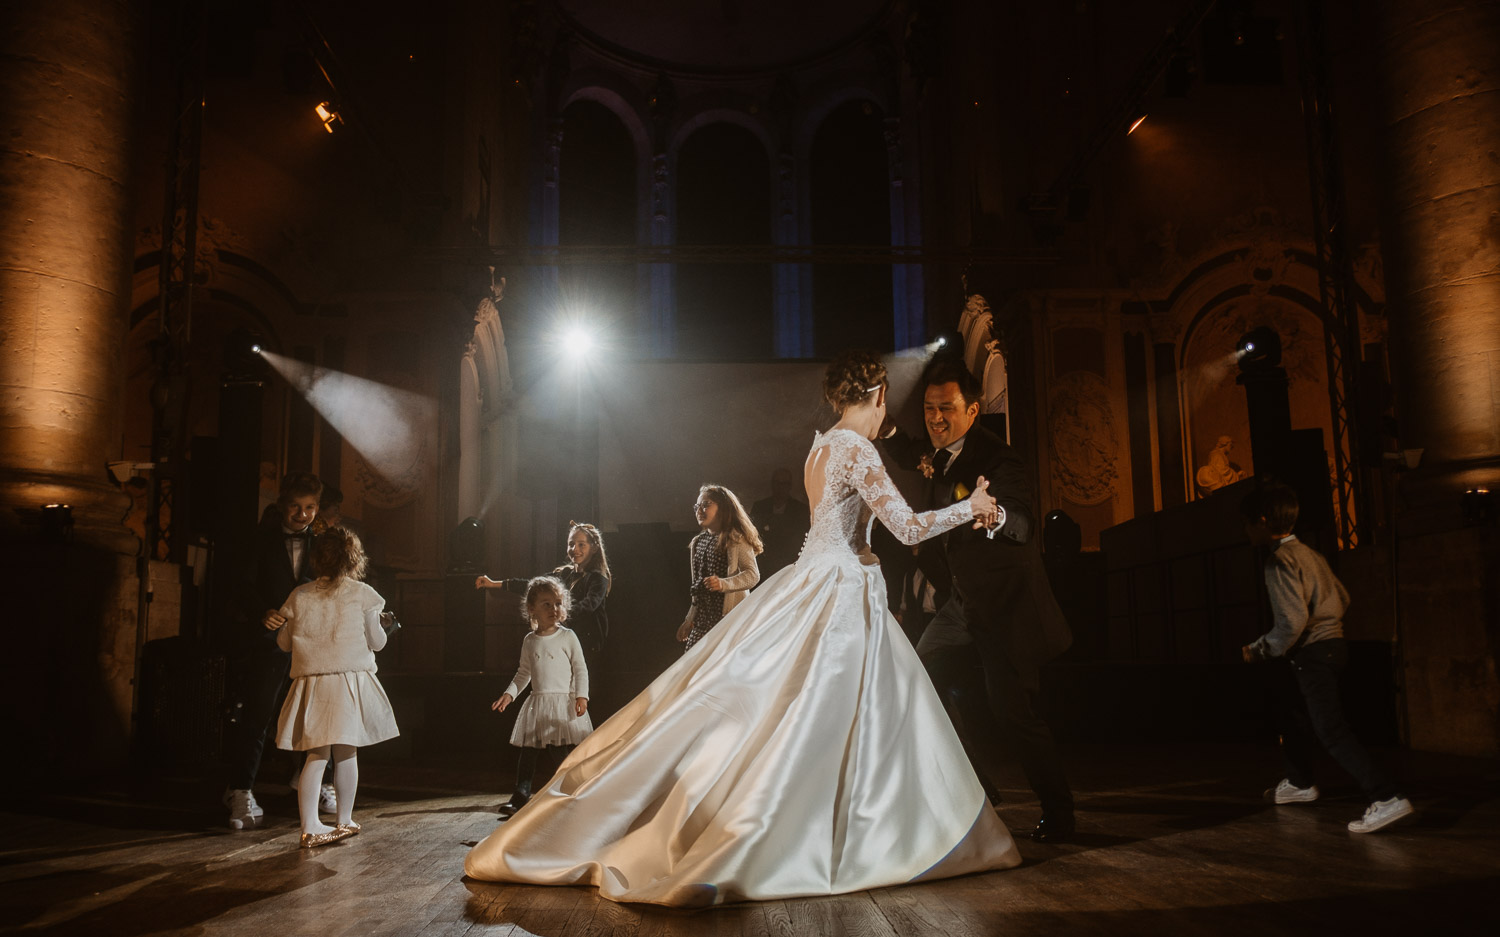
(509, 808)
(1054, 828)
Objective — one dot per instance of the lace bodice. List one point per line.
(855, 485)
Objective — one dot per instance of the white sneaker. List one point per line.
(328, 800)
(1382, 814)
(1288, 793)
(244, 812)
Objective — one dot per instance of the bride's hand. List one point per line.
(985, 508)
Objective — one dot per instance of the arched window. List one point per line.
(851, 205)
(597, 206)
(723, 197)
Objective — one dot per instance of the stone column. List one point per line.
(66, 70)
(1440, 64)
(65, 242)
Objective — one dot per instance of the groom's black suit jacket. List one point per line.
(1001, 580)
(265, 585)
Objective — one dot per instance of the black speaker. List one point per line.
(463, 624)
(182, 697)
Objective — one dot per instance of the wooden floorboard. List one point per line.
(1172, 840)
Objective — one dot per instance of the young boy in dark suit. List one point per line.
(278, 565)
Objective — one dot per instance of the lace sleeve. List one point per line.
(869, 477)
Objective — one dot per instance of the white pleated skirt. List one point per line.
(547, 719)
(335, 709)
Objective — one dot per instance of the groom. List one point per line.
(1002, 607)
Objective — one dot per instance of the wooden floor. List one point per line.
(1173, 840)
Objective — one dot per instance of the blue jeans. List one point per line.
(1312, 715)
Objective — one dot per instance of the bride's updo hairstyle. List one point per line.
(851, 377)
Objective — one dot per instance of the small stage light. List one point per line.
(942, 342)
(328, 115)
(1135, 123)
(57, 523)
(1478, 507)
(255, 349)
(1259, 349)
(466, 546)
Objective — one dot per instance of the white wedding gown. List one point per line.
(798, 749)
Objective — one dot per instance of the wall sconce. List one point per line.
(328, 115)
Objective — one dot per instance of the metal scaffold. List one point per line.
(1336, 286)
(179, 239)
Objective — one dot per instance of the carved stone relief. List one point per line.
(1085, 446)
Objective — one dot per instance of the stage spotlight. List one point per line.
(1259, 350)
(575, 343)
(946, 342)
(578, 341)
(244, 356)
(466, 546)
(328, 115)
(1135, 123)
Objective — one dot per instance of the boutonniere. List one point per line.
(925, 466)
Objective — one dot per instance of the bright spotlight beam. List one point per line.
(388, 426)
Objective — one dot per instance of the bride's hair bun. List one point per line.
(851, 377)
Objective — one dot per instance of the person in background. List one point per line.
(721, 562)
(1308, 604)
(781, 521)
(330, 510)
(587, 578)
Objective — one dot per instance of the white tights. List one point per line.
(310, 785)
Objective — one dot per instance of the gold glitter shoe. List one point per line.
(352, 826)
(314, 840)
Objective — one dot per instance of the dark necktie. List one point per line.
(940, 460)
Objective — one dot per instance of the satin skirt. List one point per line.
(798, 749)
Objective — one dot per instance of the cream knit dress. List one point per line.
(333, 631)
(553, 665)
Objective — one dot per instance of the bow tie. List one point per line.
(302, 536)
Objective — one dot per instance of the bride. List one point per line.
(798, 749)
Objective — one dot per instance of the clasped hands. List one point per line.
(988, 514)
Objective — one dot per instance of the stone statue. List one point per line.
(1219, 471)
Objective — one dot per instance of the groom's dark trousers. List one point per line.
(1003, 608)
